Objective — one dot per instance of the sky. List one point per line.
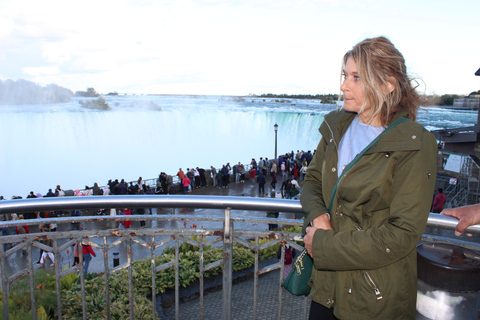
(235, 47)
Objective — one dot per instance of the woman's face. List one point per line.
(351, 87)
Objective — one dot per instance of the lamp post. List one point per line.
(275, 127)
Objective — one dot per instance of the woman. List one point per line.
(76, 256)
(87, 252)
(53, 226)
(363, 247)
(290, 255)
(274, 180)
(127, 223)
(48, 242)
(185, 184)
(22, 229)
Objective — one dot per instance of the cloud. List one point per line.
(192, 45)
(40, 71)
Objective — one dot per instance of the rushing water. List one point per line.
(66, 144)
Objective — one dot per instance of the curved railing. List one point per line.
(220, 229)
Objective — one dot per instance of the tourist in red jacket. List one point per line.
(439, 201)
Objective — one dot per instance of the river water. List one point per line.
(143, 135)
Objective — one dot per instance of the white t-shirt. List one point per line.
(356, 138)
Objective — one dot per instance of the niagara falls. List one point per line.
(45, 145)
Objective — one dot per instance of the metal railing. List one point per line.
(156, 238)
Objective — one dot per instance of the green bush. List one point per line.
(19, 300)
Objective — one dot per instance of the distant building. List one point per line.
(460, 145)
(471, 102)
(465, 140)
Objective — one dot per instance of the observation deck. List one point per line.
(202, 221)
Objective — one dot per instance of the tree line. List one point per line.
(325, 98)
(447, 99)
(432, 100)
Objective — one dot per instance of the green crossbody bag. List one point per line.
(297, 280)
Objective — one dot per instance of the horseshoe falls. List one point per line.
(67, 144)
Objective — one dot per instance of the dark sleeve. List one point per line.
(312, 197)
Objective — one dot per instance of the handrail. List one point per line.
(177, 201)
(148, 201)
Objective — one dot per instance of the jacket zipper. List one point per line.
(367, 276)
(331, 133)
(369, 280)
(336, 147)
(371, 283)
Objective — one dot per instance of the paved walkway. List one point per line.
(242, 302)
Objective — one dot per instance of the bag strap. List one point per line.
(350, 165)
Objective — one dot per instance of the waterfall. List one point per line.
(75, 147)
(49, 144)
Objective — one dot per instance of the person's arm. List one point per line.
(312, 199)
(405, 219)
(467, 216)
(435, 201)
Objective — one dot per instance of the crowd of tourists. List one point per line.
(291, 166)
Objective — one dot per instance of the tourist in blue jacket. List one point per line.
(261, 183)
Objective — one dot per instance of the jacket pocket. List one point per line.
(365, 291)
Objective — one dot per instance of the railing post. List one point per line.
(5, 290)
(227, 266)
(282, 268)
(130, 279)
(177, 278)
(255, 279)
(154, 287)
(82, 279)
(201, 267)
(31, 281)
(57, 279)
(107, 277)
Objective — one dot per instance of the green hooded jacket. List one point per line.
(366, 267)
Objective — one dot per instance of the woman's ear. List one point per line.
(391, 84)
(390, 87)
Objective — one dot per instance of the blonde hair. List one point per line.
(380, 65)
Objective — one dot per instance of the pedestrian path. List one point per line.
(242, 302)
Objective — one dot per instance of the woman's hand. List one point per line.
(321, 222)
(308, 239)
